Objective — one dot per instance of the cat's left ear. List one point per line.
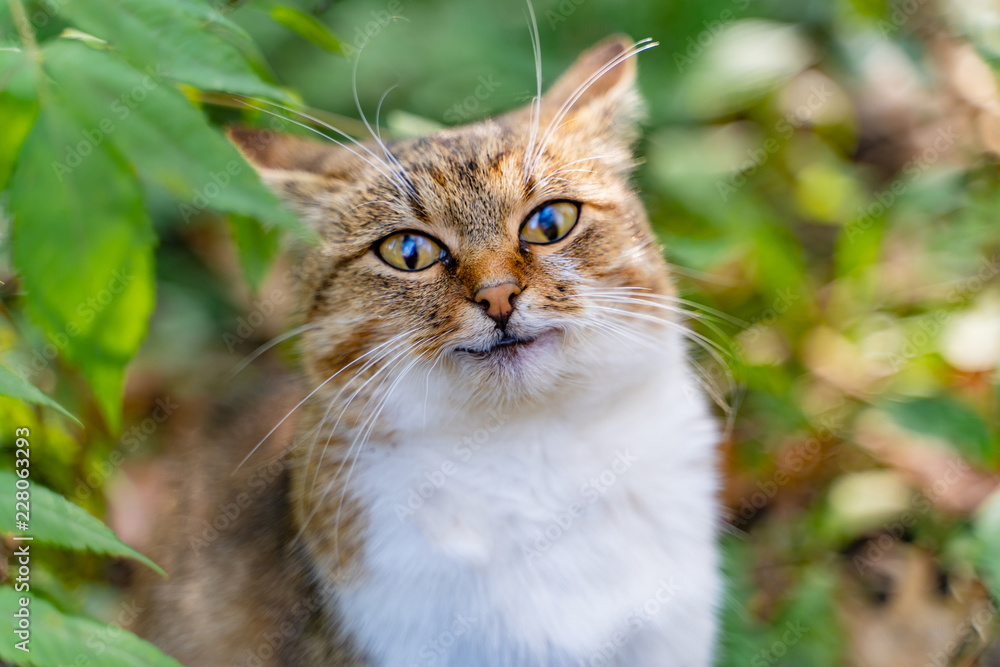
(598, 92)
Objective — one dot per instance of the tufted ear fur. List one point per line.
(597, 93)
(307, 174)
(268, 150)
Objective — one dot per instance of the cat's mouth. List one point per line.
(506, 346)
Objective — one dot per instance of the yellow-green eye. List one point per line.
(550, 222)
(409, 251)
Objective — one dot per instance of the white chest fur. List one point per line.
(576, 535)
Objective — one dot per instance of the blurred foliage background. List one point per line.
(822, 172)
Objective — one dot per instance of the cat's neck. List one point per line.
(439, 403)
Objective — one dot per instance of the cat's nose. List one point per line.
(498, 301)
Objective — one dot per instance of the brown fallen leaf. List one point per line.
(948, 481)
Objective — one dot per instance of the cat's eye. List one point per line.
(410, 251)
(550, 222)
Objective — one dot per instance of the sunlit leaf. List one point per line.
(257, 247)
(59, 639)
(14, 385)
(18, 117)
(185, 40)
(308, 27)
(166, 139)
(55, 520)
(84, 251)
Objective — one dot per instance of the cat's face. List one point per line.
(490, 253)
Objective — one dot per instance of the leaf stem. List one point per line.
(24, 30)
(27, 34)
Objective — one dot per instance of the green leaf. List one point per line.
(17, 75)
(308, 27)
(18, 117)
(59, 639)
(55, 520)
(721, 82)
(12, 384)
(18, 107)
(185, 40)
(257, 247)
(808, 625)
(742, 635)
(986, 531)
(84, 248)
(948, 419)
(161, 134)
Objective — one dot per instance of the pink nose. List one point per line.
(498, 301)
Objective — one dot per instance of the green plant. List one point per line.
(102, 125)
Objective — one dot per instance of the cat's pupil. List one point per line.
(548, 223)
(409, 251)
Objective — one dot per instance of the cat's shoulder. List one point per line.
(227, 541)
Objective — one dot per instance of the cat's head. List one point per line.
(500, 254)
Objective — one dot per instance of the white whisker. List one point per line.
(388, 347)
(631, 52)
(343, 462)
(328, 137)
(404, 178)
(364, 436)
(536, 102)
(277, 340)
(283, 419)
(378, 113)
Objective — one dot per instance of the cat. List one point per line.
(503, 456)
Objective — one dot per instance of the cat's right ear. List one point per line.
(267, 150)
(300, 171)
